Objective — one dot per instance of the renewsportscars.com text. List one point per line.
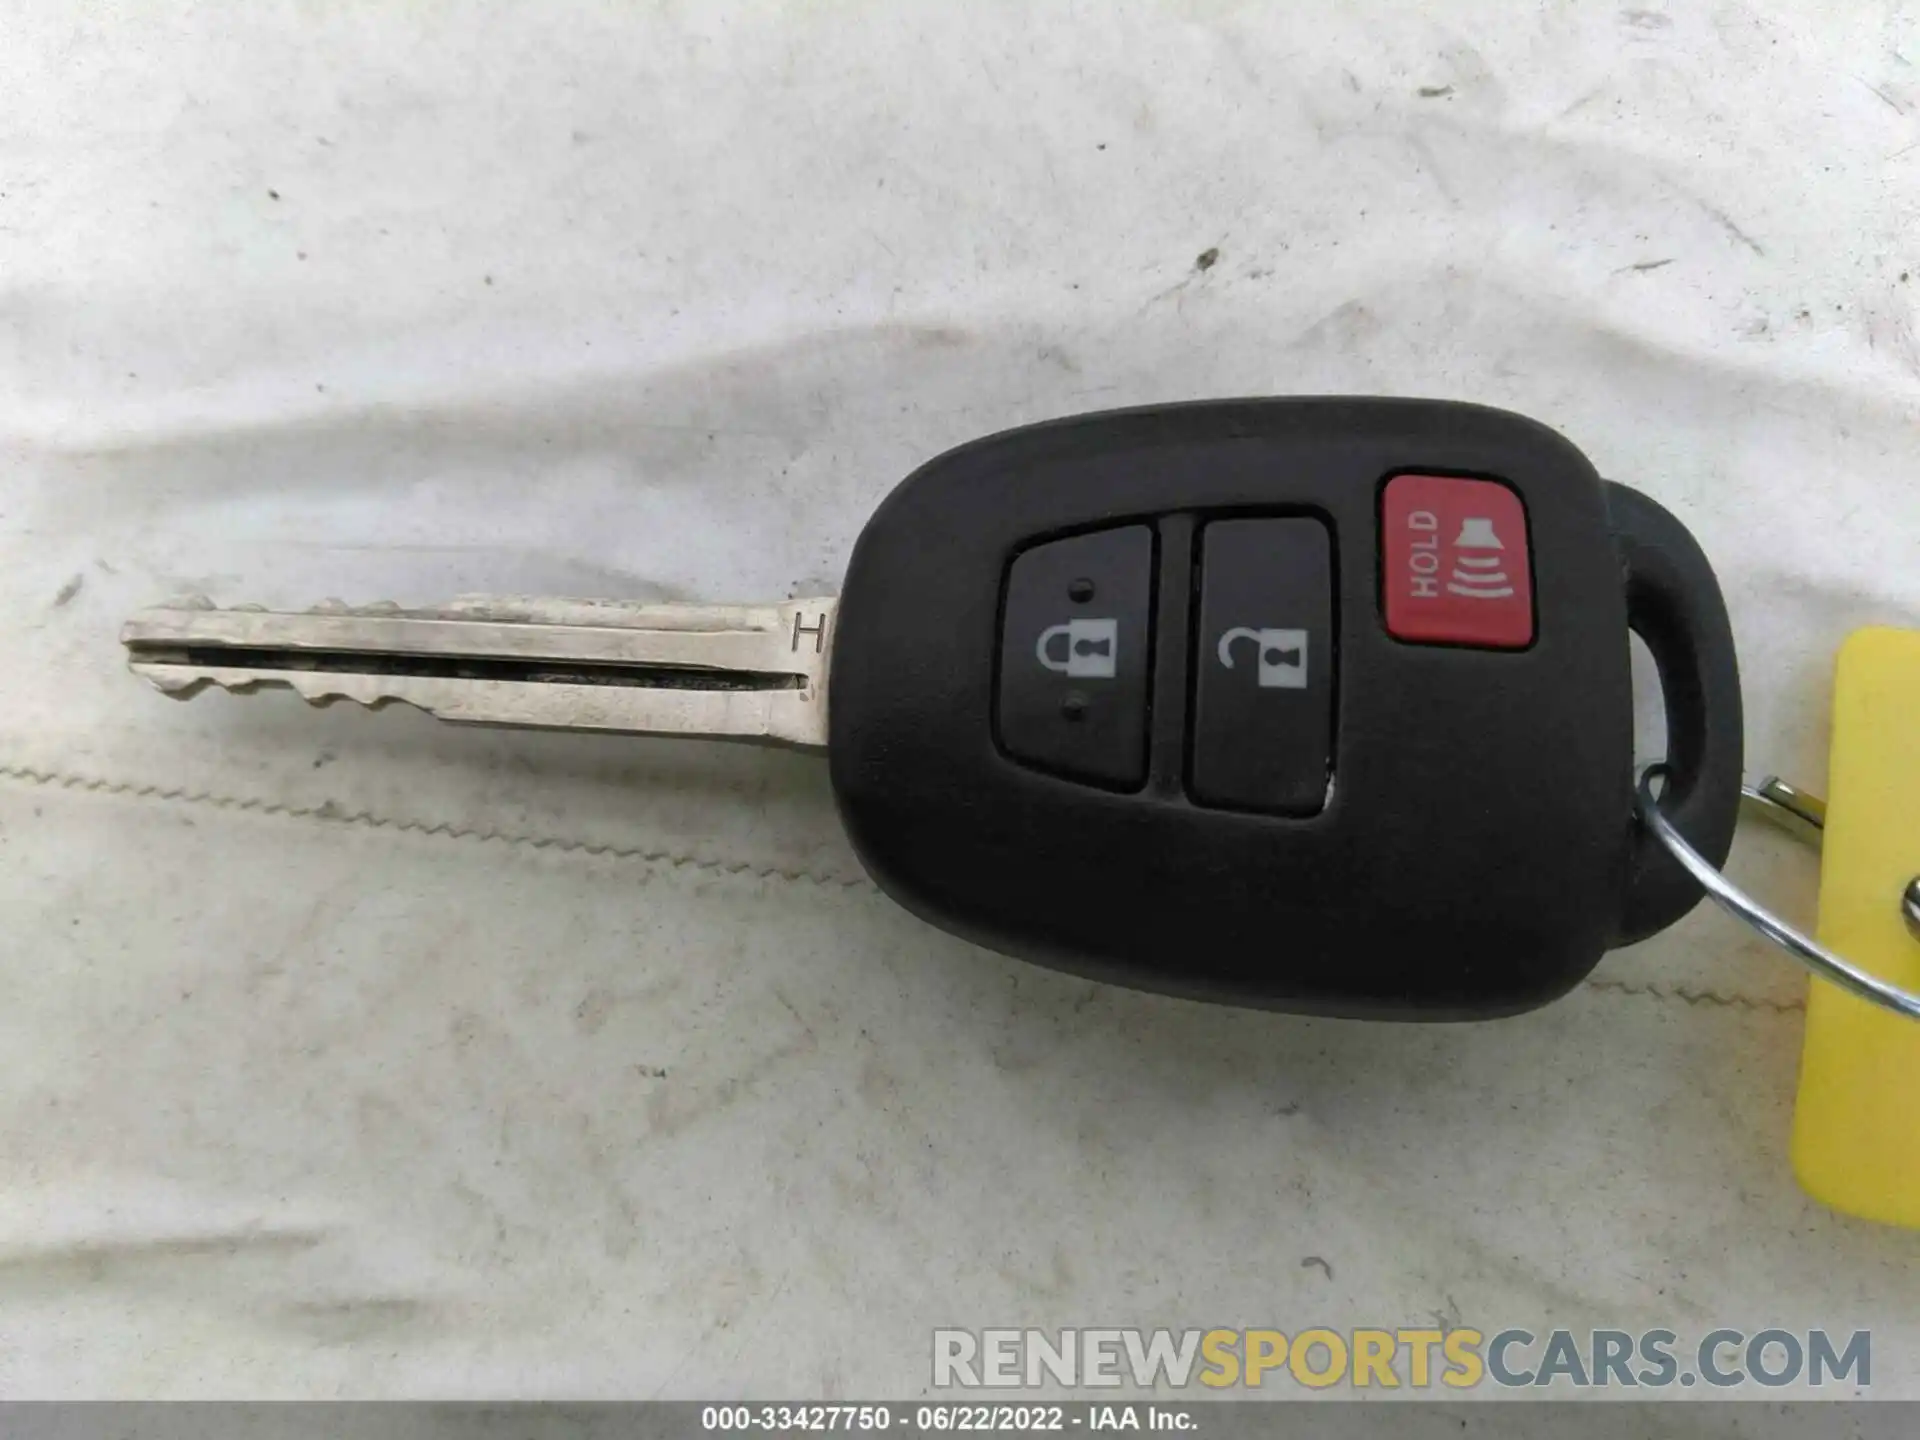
(1415, 1358)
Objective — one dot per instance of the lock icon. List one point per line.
(1083, 649)
(1282, 655)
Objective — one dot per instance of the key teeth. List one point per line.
(178, 688)
(313, 688)
(318, 690)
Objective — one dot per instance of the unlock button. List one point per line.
(1073, 657)
(1263, 670)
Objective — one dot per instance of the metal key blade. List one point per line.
(739, 672)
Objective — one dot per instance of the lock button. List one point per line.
(1073, 656)
(1264, 662)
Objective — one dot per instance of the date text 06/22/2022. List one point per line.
(944, 1417)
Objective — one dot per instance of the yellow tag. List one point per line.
(1856, 1130)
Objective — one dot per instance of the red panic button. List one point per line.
(1456, 564)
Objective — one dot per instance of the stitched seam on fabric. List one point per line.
(1700, 997)
(327, 812)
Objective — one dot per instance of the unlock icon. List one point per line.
(1282, 655)
(1083, 649)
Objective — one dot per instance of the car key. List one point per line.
(1312, 704)
(736, 672)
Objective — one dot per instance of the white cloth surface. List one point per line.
(349, 1053)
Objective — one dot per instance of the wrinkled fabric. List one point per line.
(345, 1053)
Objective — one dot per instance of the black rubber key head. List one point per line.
(1316, 704)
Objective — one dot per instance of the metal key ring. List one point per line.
(1806, 817)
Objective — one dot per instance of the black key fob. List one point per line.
(1314, 704)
